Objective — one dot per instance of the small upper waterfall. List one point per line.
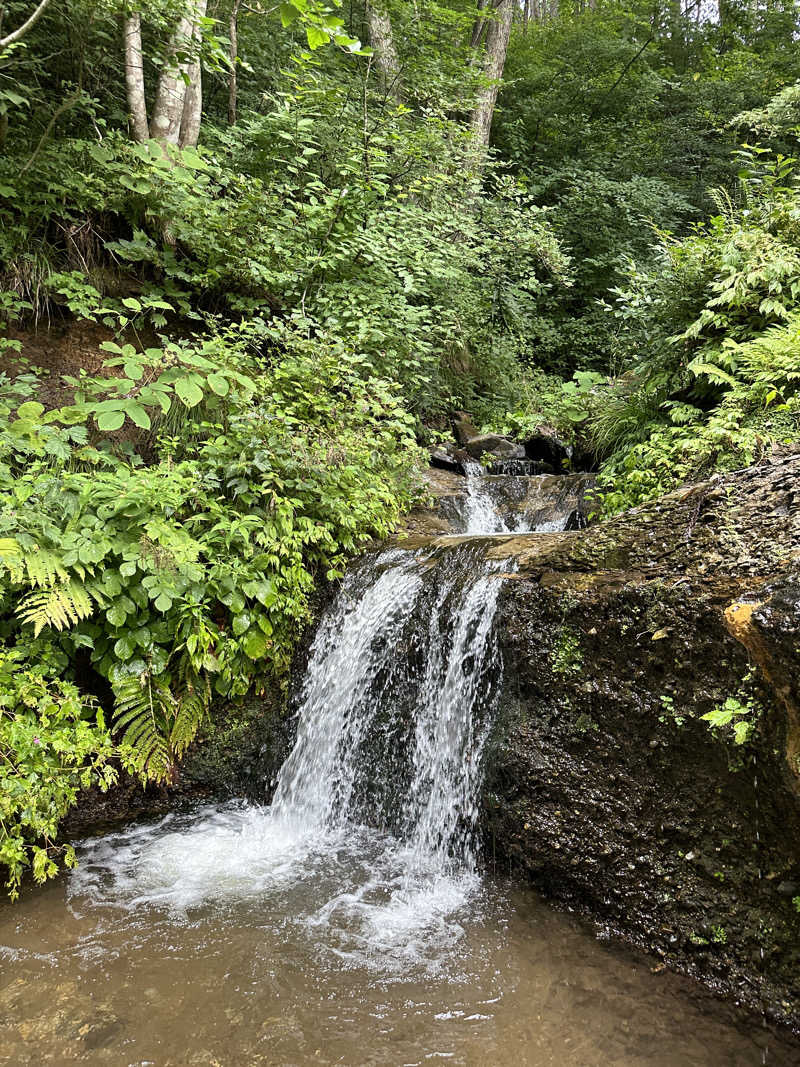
(516, 501)
(480, 514)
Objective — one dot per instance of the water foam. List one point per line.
(369, 838)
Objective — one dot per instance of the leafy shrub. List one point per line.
(547, 401)
(53, 743)
(712, 338)
(191, 574)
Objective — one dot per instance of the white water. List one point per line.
(518, 503)
(480, 514)
(371, 829)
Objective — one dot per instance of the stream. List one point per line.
(353, 920)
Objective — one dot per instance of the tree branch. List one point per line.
(12, 38)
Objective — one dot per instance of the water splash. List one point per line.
(371, 830)
(480, 516)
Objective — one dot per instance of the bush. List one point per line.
(190, 574)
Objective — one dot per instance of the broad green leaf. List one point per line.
(31, 409)
(219, 383)
(133, 370)
(136, 413)
(255, 644)
(189, 393)
(316, 37)
(108, 421)
(289, 14)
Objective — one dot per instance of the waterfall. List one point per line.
(516, 501)
(396, 706)
(480, 516)
(371, 830)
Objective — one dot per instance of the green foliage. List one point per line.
(192, 573)
(710, 338)
(735, 714)
(620, 121)
(53, 742)
(547, 401)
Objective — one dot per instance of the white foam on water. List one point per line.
(480, 514)
(406, 650)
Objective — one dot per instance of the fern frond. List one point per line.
(192, 707)
(60, 606)
(44, 568)
(11, 556)
(144, 707)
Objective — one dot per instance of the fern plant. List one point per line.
(156, 725)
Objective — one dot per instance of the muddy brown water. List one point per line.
(149, 956)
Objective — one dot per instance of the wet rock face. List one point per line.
(777, 621)
(605, 785)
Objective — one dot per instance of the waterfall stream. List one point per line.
(383, 782)
(378, 798)
(346, 922)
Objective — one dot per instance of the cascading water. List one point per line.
(375, 808)
(480, 515)
(518, 501)
(397, 739)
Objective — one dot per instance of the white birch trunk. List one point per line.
(379, 26)
(165, 124)
(497, 35)
(134, 78)
(193, 96)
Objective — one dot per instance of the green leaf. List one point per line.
(31, 409)
(116, 615)
(289, 14)
(163, 602)
(255, 645)
(131, 302)
(189, 393)
(123, 648)
(109, 421)
(136, 413)
(219, 383)
(133, 370)
(316, 37)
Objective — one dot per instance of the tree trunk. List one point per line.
(165, 125)
(233, 82)
(497, 36)
(379, 27)
(134, 78)
(193, 96)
